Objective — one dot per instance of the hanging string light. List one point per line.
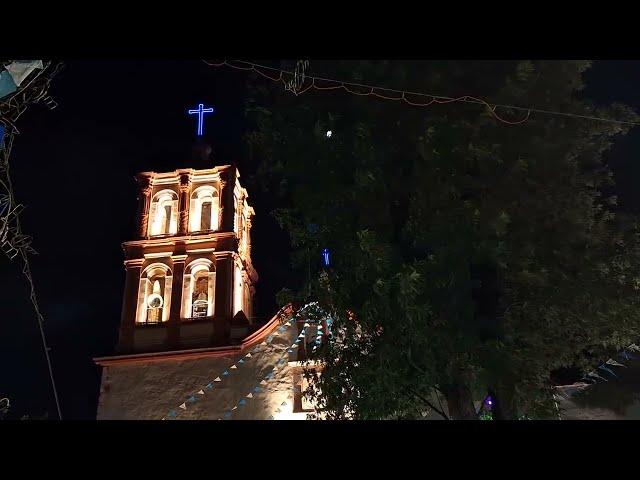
(416, 99)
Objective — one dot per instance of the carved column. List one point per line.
(176, 300)
(144, 199)
(130, 305)
(185, 188)
(222, 201)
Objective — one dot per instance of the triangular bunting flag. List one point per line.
(163, 418)
(263, 382)
(218, 379)
(283, 404)
(191, 399)
(248, 355)
(172, 413)
(183, 406)
(595, 375)
(201, 392)
(227, 414)
(306, 324)
(611, 361)
(242, 402)
(289, 350)
(263, 343)
(233, 367)
(225, 373)
(602, 367)
(234, 408)
(258, 389)
(209, 386)
(250, 395)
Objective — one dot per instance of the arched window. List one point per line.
(163, 213)
(198, 289)
(204, 209)
(154, 294)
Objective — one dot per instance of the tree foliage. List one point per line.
(474, 256)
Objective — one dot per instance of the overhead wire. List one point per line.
(376, 91)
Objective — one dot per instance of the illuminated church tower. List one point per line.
(188, 346)
(189, 281)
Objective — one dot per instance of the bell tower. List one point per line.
(189, 278)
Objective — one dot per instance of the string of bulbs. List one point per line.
(400, 95)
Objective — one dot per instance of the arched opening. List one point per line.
(163, 213)
(154, 294)
(198, 289)
(204, 209)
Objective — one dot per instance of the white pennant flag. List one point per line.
(248, 355)
(250, 395)
(218, 379)
(183, 406)
(263, 343)
(306, 324)
(263, 382)
(201, 392)
(234, 408)
(611, 361)
(233, 367)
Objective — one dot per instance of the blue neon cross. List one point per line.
(200, 111)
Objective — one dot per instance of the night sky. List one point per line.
(73, 169)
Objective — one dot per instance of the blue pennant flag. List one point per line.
(191, 399)
(257, 390)
(289, 351)
(172, 413)
(241, 361)
(242, 402)
(627, 356)
(269, 338)
(225, 373)
(227, 414)
(209, 386)
(602, 367)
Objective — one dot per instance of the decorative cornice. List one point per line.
(134, 262)
(157, 254)
(247, 344)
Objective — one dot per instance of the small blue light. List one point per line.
(200, 111)
(325, 257)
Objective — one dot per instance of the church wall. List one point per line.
(150, 390)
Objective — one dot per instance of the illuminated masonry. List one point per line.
(189, 277)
